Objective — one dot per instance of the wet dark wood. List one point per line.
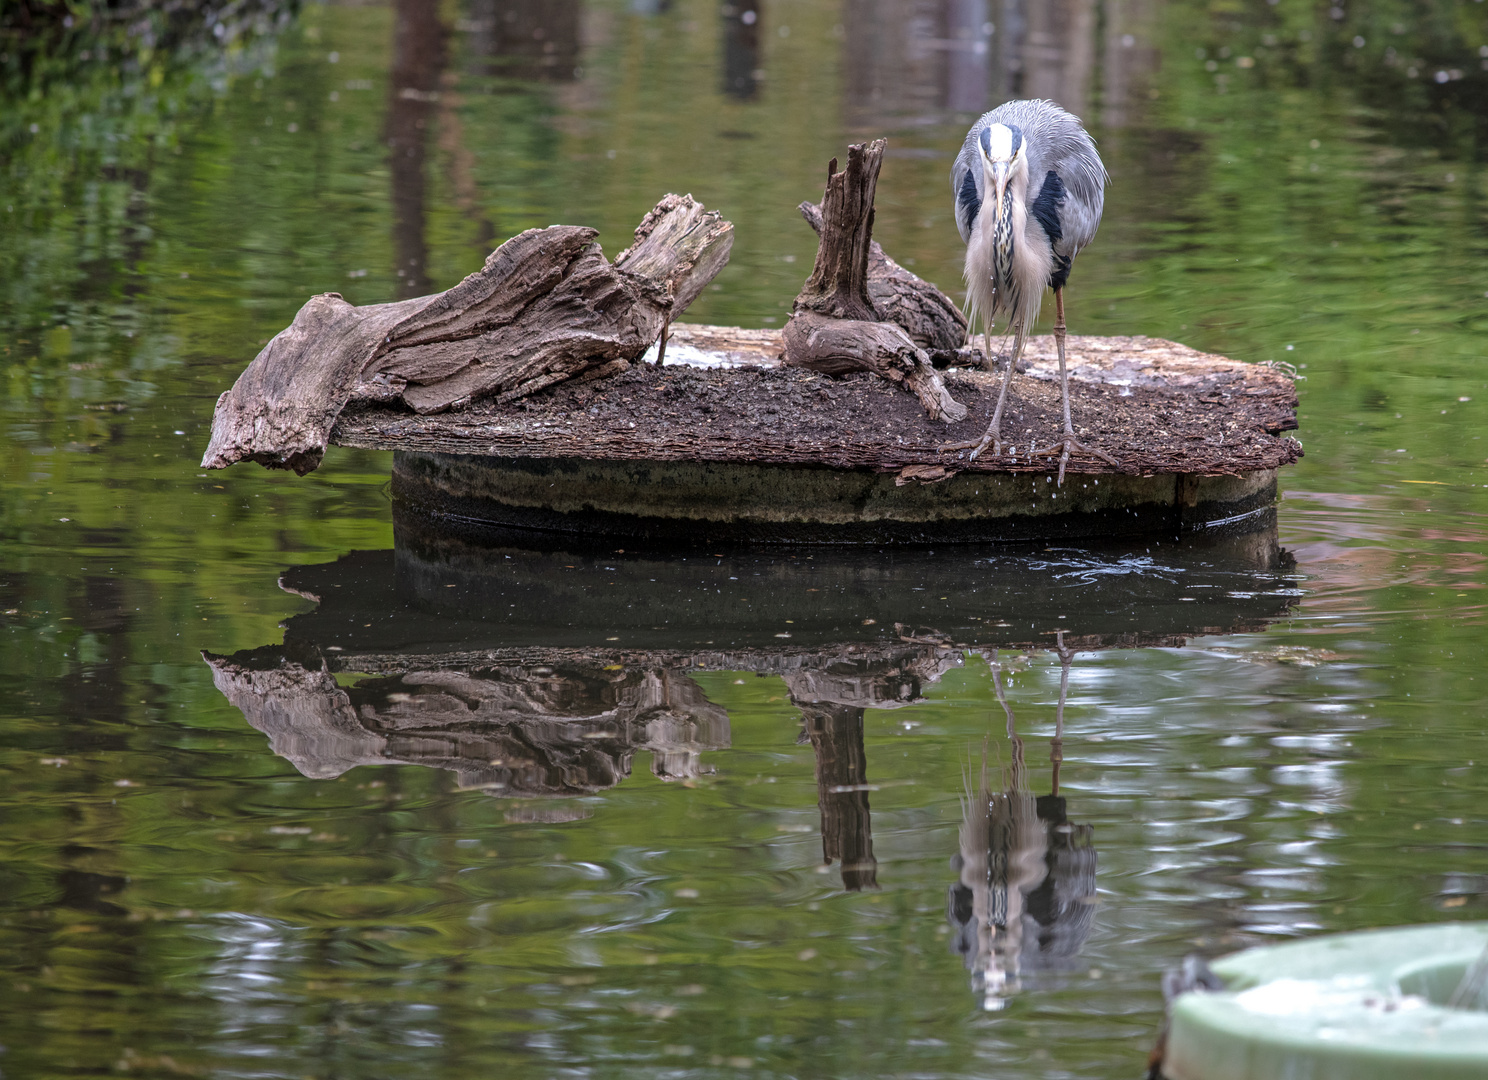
(545, 308)
(1156, 406)
(834, 327)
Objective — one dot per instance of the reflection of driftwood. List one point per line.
(834, 327)
(545, 307)
(836, 736)
(513, 730)
(832, 694)
(881, 678)
(308, 718)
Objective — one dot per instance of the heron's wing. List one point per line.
(1068, 211)
(1059, 146)
(964, 183)
(1081, 217)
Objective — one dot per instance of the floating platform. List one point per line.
(725, 444)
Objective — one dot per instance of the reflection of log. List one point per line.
(930, 317)
(513, 730)
(836, 734)
(418, 56)
(526, 39)
(308, 718)
(742, 24)
(832, 691)
(869, 678)
(834, 327)
(545, 307)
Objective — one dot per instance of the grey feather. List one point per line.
(1056, 141)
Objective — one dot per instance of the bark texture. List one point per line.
(835, 327)
(546, 307)
(838, 285)
(930, 317)
(842, 346)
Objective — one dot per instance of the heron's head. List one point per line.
(1003, 157)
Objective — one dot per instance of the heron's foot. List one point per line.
(1068, 445)
(976, 447)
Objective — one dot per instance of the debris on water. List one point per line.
(1295, 655)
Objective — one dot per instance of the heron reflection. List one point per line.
(1025, 899)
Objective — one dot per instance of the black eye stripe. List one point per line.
(986, 140)
(1017, 138)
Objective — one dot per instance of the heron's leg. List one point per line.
(1069, 442)
(1056, 745)
(1059, 331)
(993, 437)
(994, 429)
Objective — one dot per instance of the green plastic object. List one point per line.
(1362, 1006)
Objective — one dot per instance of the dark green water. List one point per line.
(605, 860)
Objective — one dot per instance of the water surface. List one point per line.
(456, 840)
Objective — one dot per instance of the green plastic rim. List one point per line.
(1361, 1006)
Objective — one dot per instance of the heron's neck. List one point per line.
(1014, 270)
(1014, 195)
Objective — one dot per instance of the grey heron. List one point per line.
(1029, 190)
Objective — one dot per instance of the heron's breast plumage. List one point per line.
(1008, 260)
(1002, 247)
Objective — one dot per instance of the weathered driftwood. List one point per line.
(545, 307)
(834, 326)
(930, 317)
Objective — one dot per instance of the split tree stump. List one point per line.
(545, 307)
(834, 327)
(930, 317)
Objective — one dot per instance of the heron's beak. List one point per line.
(999, 186)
